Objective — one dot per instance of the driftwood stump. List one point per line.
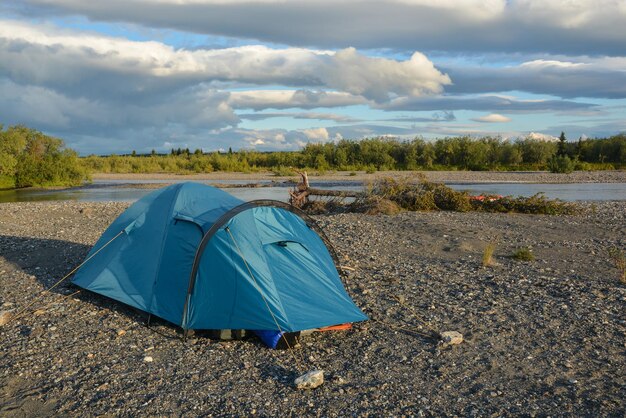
(299, 196)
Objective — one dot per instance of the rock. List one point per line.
(148, 359)
(310, 380)
(121, 332)
(87, 211)
(451, 338)
(5, 317)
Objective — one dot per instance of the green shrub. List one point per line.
(561, 164)
(419, 194)
(282, 171)
(30, 158)
(538, 204)
(447, 198)
(523, 254)
(6, 182)
(374, 205)
(406, 194)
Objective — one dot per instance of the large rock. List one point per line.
(310, 380)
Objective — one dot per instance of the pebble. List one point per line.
(451, 338)
(5, 317)
(310, 380)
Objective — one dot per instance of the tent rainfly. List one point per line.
(200, 258)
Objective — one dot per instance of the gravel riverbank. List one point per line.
(615, 176)
(543, 338)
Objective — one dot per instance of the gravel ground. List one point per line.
(542, 338)
(616, 176)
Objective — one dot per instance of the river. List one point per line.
(128, 190)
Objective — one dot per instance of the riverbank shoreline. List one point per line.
(543, 337)
(455, 177)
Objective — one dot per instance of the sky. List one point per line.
(120, 75)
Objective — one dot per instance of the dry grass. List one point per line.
(390, 195)
(488, 260)
(619, 260)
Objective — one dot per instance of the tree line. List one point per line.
(31, 158)
(377, 154)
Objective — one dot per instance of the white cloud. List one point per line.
(59, 58)
(492, 118)
(50, 110)
(376, 78)
(103, 92)
(316, 134)
(541, 64)
(574, 77)
(555, 26)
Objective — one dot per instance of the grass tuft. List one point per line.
(523, 254)
(488, 260)
(619, 260)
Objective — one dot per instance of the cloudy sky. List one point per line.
(117, 75)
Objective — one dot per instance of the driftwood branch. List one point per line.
(299, 196)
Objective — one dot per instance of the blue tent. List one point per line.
(202, 259)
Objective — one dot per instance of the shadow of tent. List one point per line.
(48, 260)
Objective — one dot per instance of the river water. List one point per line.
(124, 190)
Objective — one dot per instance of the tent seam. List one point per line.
(280, 299)
(165, 235)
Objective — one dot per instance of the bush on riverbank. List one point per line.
(561, 164)
(30, 158)
(389, 195)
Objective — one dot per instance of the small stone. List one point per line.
(339, 380)
(451, 338)
(310, 380)
(5, 317)
(90, 355)
(121, 332)
(148, 359)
